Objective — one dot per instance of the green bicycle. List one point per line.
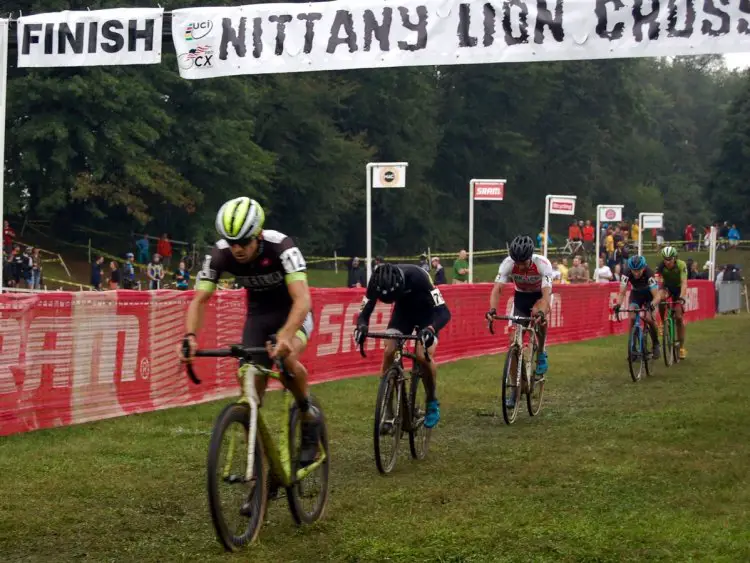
(238, 510)
(671, 343)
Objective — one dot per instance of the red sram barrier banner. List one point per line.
(67, 358)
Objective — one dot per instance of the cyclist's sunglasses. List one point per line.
(242, 241)
(669, 259)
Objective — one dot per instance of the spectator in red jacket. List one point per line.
(588, 238)
(9, 236)
(164, 249)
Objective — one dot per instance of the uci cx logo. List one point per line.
(200, 57)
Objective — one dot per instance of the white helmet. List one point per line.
(240, 219)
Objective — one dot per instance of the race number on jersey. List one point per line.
(292, 260)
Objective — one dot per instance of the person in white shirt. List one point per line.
(602, 274)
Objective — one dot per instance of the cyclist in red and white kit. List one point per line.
(532, 274)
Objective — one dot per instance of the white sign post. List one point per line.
(609, 214)
(556, 205)
(381, 175)
(712, 254)
(3, 91)
(481, 190)
(648, 221)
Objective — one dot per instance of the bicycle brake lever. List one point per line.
(491, 325)
(362, 350)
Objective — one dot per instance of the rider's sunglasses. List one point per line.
(242, 241)
(669, 259)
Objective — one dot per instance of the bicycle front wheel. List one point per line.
(237, 505)
(668, 340)
(510, 389)
(535, 395)
(387, 430)
(308, 497)
(419, 435)
(635, 354)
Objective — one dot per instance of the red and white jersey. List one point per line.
(532, 280)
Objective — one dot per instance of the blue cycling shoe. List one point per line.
(433, 414)
(541, 364)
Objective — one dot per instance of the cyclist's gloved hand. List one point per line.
(188, 346)
(490, 314)
(427, 337)
(360, 334)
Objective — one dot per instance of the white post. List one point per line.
(471, 231)
(640, 232)
(546, 224)
(335, 262)
(3, 91)
(398, 180)
(712, 255)
(370, 166)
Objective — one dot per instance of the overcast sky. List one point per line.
(738, 60)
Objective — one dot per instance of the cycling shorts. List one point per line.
(640, 298)
(403, 320)
(523, 302)
(259, 327)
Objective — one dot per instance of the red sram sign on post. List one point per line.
(489, 190)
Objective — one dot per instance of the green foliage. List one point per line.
(138, 148)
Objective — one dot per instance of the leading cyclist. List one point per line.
(532, 274)
(418, 303)
(673, 273)
(270, 266)
(644, 292)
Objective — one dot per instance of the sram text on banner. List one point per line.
(122, 36)
(275, 38)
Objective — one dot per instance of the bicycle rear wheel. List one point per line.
(237, 511)
(635, 354)
(308, 497)
(419, 436)
(668, 340)
(510, 389)
(387, 430)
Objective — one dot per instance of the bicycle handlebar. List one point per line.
(513, 318)
(630, 310)
(238, 351)
(391, 336)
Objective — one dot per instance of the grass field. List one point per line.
(610, 471)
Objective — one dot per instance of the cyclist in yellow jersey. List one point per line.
(674, 275)
(271, 268)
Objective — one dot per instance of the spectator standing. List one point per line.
(8, 270)
(36, 269)
(540, 239)
(635, 232)
(155, 272)
(574, 232)
(26, 267)
(564, 271)
(602, 274)
(589, 238)
(127, 274)
(164, 249)
(424, 263)
(9, 235)
(97, 274)
(556, 276)
(439, 271)
(734, 236)
(182, 277)
(356, 274)
(578, 273)
(114, 275)
(460, 268)
(660, 237)
(689, 235)
(142, 246)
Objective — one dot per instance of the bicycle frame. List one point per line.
(279, 456)
(518, 332)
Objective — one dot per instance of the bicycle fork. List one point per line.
(248, 388)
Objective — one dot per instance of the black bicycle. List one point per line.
(396, 411)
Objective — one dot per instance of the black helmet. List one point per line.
(521, 248)
(386, 283)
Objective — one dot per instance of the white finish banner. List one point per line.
(121, 36)
(347, 34)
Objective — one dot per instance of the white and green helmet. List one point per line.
(669, 252)
(239, 219)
